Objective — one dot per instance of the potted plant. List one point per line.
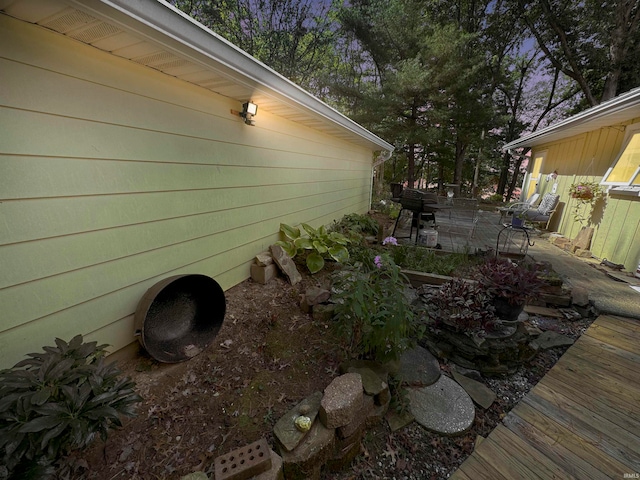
(586, 195)
(509, 284)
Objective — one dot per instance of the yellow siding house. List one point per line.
(123, 160)
(601, 145)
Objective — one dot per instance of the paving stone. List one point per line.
(342, 400)
(443, 407)
(286, 264)
(419, 367)
(265, 274)
(306, 460)
(316, 295)
(243, 463)
(551, 339)
(478, 391)
(285, 430)
(559, 300)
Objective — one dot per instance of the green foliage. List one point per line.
(586, 194)
(372, 313)
(425, 260)
(57, 401)
(319, 244)
(354, 223)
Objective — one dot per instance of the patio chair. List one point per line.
(513, 207)
(543, 213)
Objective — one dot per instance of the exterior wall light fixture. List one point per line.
(249, 110)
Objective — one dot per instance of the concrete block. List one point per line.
(263, 275)
(244, 463)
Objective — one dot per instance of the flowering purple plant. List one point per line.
(378, 261)
(390, 241)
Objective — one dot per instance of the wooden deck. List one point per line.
(581, 421)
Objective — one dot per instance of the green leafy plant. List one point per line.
(372, 312)
(586, 195)
(57, 401)
(355, 223)
(505, 279)
(462, 306)
(318, 244)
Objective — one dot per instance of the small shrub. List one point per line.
(372, 312)
(462, 306)
(503, 278)
(319, 244)
(358, 224)
(57, 401)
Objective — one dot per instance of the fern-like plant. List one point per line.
(58, 401)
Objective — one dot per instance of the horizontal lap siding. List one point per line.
(114, 176)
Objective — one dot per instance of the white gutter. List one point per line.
(177, 31)
(623, 107)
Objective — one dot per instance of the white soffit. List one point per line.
(610, 113)
(155, 34)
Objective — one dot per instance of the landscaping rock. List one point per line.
(285, 431)
(304, 305)
(579, 296)
(551, 339)
(316, 295)
(264, 259)
(342, 400)
(195, 476)
(479, 392)
(377, 412)
(371, 382)
(397, 420)
(582, 240)
(306, 460)
(323, 313)
(286, 264)
(419, 367)
(443, 407)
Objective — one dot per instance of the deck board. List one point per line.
(581, 421)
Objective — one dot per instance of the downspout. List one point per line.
(382, 157)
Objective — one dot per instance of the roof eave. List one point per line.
(160, 21)
(615, 108)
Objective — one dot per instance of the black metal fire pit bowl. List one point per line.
(179, 316)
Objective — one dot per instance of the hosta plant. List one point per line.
(318, 244)
(57, 401)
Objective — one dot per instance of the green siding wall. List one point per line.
(114, 176)
(615, 219)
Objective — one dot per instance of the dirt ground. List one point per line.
(267, 357)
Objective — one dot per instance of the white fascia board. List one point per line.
(161, 22)
(614, 109)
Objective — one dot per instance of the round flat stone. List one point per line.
(418, 366)
(443, 407)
